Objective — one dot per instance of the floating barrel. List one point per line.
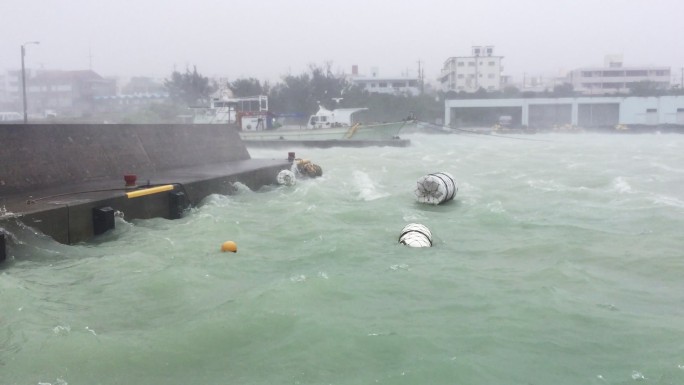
(286, 177)
(435, 188)
(304, 167)
(415, 235)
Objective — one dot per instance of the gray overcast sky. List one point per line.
(268, 38)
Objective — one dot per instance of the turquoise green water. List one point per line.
(559, 262)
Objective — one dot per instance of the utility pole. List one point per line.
(23, 83)
(524, 76)
(477, 74)
(420, 78)
(23, 77)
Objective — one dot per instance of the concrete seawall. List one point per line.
(37, 156)
(57, 178)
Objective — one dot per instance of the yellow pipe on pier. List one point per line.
(149, 191)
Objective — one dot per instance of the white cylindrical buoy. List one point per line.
(287, 178)
(415, 235)
(435, 188)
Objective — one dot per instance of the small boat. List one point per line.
(250, 115)
(337, 124)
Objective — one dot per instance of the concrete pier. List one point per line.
(68, 180)
(327, 143)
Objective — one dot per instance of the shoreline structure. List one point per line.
(68, 181)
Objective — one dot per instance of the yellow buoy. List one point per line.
(229, 246)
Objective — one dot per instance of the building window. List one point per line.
(651, 110)
(612, 85)
(373, 85)
(383, 84)
(661, 73)
(413, 83)
(586, 74)
(637, 73)
(398, 85)
(461, 64)
(491, 76)
(492, 63)
(471, 64)
(460, 76)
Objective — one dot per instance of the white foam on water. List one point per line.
(368, 189)
(298, 278)
(545, 185)
(637, 375)
(668, 201)
(61, 330)
(666, 167)
(620, 185)
(6, 214)
(496, 207)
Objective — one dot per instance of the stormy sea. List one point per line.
(560, 261)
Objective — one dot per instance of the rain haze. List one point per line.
(269, 39)
(515, 219)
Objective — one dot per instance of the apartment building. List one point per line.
(482, 69)
(613, 77)
(394, 85)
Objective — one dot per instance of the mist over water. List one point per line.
(559, 262)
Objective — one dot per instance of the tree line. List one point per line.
(300, 95)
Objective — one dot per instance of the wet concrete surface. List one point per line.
(57, 179)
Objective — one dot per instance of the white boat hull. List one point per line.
(382, 131)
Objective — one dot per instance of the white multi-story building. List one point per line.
(10, 89)
(614, 78)
(470, 73)
(395, 85)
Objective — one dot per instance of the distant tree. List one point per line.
(510, 92)
(247, 87)
(153, 113)
(143, 85)
(645, 88)
(303, 93)
(481, 93)
(563, 90)
(189, 88)
(676, 90)
(292, 95)
(451, 94)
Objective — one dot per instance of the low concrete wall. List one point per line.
(36, 156)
